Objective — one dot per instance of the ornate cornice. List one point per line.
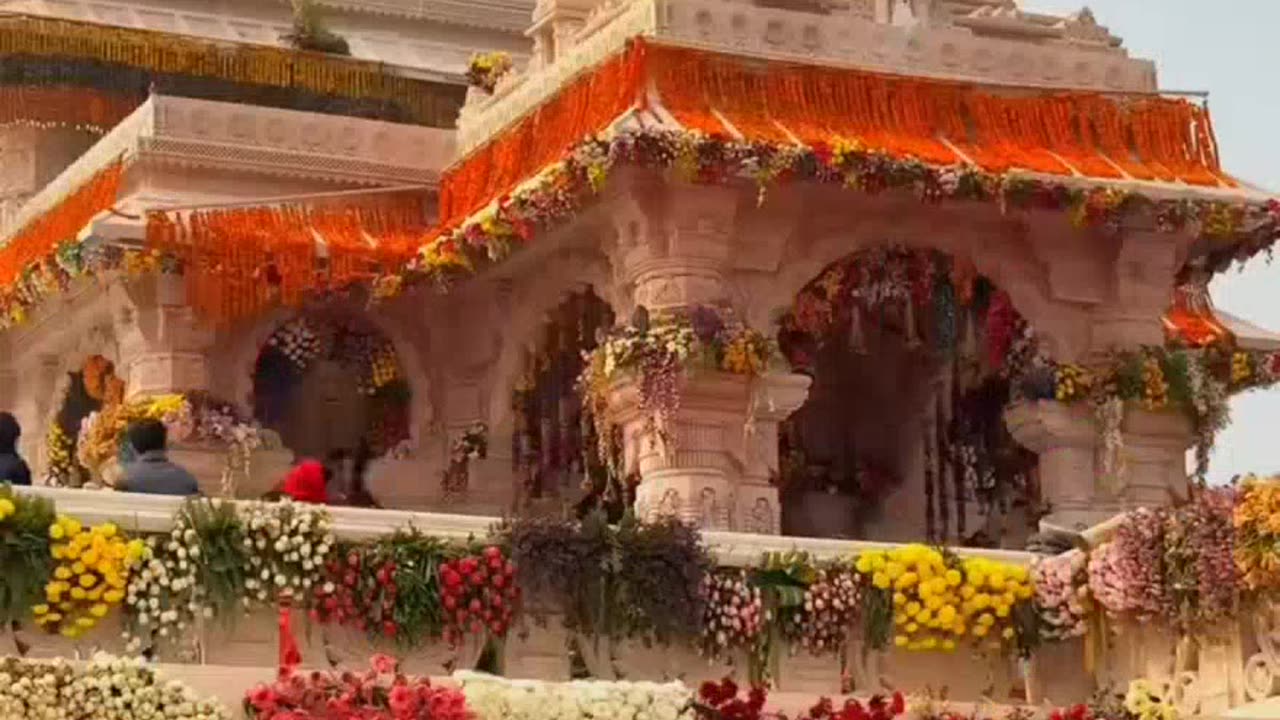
(254, 139)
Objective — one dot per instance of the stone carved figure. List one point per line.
(708, 508)
(669, 505)
(761, 518)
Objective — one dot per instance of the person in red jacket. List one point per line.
(306, 483)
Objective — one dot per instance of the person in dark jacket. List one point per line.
(13, 469)
(152, 472)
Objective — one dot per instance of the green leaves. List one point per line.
(24, 553)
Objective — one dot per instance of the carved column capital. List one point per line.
(1066, 439)
(163, 346)
(711, 462)
(1142, 278)
(674, 240)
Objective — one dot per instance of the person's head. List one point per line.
(147, 435)
(10, 431)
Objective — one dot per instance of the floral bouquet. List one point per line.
(734, 614)
(486, 69)
(381, 692)
(939, 601)
(1257, 533)
(286, 548)
(494, 698)
(107, 688)
(24, 552)
(822, 623)
(1201, 575)
(92, 572)
(102, 433)
(1126, 575)
(1062, 595)
(480, 595)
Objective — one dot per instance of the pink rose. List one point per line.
(403, 701)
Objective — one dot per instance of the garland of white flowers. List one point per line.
(287, 544)
(107, 688)
(495, 698)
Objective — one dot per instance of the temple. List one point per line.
(861, 291)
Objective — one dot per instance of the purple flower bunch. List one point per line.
(1127, 575)
(1203, 581)
(1062, 595)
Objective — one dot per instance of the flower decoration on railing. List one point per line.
(496, 698)
(381, 692)
(940, 601)
(90, 577)
(1062, 596)
(105, 687)
(484, 70)
(291, 543)
(1257, 534)
(734, 617)
(724, 700)
(479, 594)
(24, 552)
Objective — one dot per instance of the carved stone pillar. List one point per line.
(1151, 464)
(711, 462)
(1143, 282)
(163, 347)
(32, 400)
(1066, 439)
(555, 27)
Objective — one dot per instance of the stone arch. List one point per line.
(246, 343)
(1009, 264)
(529, 301)
(886, 458)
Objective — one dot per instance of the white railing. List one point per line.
(154, 514)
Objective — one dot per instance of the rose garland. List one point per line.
(381, 692)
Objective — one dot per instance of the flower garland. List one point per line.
(1257, 534)
(725, 700)
(734, 617)
(107, 687)
(92, 572)
(1062, 597)
(24, 552)
(380, 693)
(484, 70)
(658, 350)
(479, 594)
(562, 190)
(102, 433)
(494, 698)
(939, 601)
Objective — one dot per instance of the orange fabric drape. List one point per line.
(75, 107)
(40, 238)
(585, 106)
(1097, 136)
(240, 261)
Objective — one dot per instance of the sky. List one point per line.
(1229, 48)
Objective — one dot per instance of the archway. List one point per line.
(914, 357)
(553, 448)
(330, 381)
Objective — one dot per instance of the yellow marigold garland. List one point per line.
(92, 571)
(940, 601)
